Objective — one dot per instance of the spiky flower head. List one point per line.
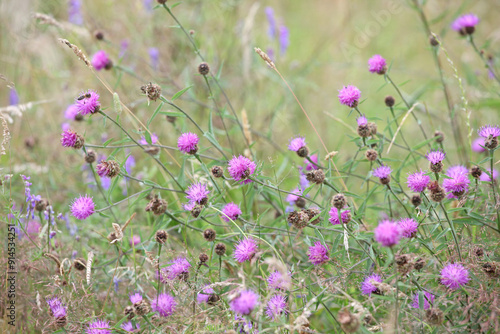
(318, 254)
(408, 227)
(387, 233)
(108, 168)
(72, 113)
(197, 193)
(489, 130)
(129, 327)
(71, 139)
(245, 302)
(454, 275)
(230, 212)
(179, 268)
(278, 281)
(205, 295)
(297, 143)
(240, 168)
(276, 306)
(367, 287)
(334, 216)
(418, 181)
(478, 145)
(164, 304)
(135, 240)
(458, 183)
(361, 120)
(245, 250)
(54, 303)
(83, 207)
(188, 143)
(428, 300)
(435, 156)
(98, 327)
(309, 165)
(465, 24)
(89, 104)
(135, 298)
(383, 173)
(349, 96)
(377, 64)
(101, 60)
(486, 176)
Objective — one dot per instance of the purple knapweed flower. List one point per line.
(377, 64)
(297, 143)
(129, 327)
(71, 112)
(349, 96)
(179, 268)
(294, 196)
(245, 302)
(74, 12)
(88, 105)
(154, 56)
(465, 24)
(272, 22)
(367, 287)
(311, 166)
(13, 97)
(318, 254)
(276, 306)
(154, 140)
(245, 250)
(54, 303)
(135, 298)
(489, 130)
(486, 176)
(459, 182)
(278, 281)
(135, 240)
(334, 216)
(387, 233)
(240, 168)
(98, 327)
(408, 227)
(59, 312)
(383, 173)
(188, 143)
(230, 212)
(453, 276)
(197, 193)
(435, 156)
(284, 38)
(361, 120)
(205, 295)
(129, 164)
(428, 299)
(100, 60)
(69, 138)
(165, 304)
(83, 207)
(478, 145)
(418, 181)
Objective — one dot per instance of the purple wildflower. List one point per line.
(478, 145)
(154, 56)
(367, 287)
(465, 24)
(154, 140)
(98, 327)
(188, 143)
(318, 254)
(382, 172)
(71, 112)
(245, 250)
(123, 47)
(453, 276)
(293, 197)
(129, 327)
(197, 192)
(435, 157)
(377, 64)
(334, 216)
(279, 281)
(54, 303)
(486, 176)
(179, 268)
(83, 207)
(489, 130)
(69, 138)
(100, 60)
(272, 22)
(418, 181)
(284, 38)
(74, 12)
(230, 212)
(296, 143)
(240, 168)
(408, 227)
(349, 96)
(205, 295)
(361, 120)
(309, 165)
(135, 240)
(88, 105)
(59, 311)
(165, 304)
(129, 164)
(276, 306)
(387, 233)
(135, 298)
(245, 302)
(459, 182)
(13, 97)
(428, 299)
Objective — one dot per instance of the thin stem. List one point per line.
(452, 230)
(397, 198)
(492, 152)
(481, 54)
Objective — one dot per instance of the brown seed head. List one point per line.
(80, 264)
(476, 172)
(209, 234)
(416, 200)
(129, 312)
(157, 205)
(217, 171)
(303, 152)
(203, 68)
(300, 202)
(213, 299)
(434, 316)
(99, 35)
(348, 321)
(153, 91)
(364, 130)
(161, 236)
(389, 101)
(90, 157)
(373, 128)
(203, 258)
(419, 264)
(371, 155)
(339, 201)
(439, 136)
(41, 205)
(142, 307)
(316, 176)
(313, 212)
(220, 249)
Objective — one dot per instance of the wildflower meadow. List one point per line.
(237, 166)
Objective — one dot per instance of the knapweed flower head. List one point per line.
(489, 130)
(54, 303)
(458, 184)
(240, 168)
(154, 140)
(204, 295)
(454, 275)
(334, 216)
(377, 64)
(129, 327)
(383, 173)
(89, 104)
(197, 193)
(164, 304)
(465, 24)
(71, 112)
(188, 143)
(478, 145)
(387, 233)
(367, 287)
(279, 281)
(276, 306)
(135, 298)
(361, 120)
(135, 240)
(108, 168)
(59, 312)
(318, 254)
(98, 327)
(309, 165)
(349, 96)
(101, 60)
(72, 139)
(179, 268)
(245, 302)
(83, 207)
(297, 143)
(428, 300)
(486, 176)
(408, 227)
(418, 181)
(435, 157)
(245, 250)
(230, 212)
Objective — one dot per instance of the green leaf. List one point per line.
(179, 93)
(173, 113)
(154, 114)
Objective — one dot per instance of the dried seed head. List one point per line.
(476, 172)
(385, 180)
(203, 68)
(373, 128)
(371, 155)
(433, 41)
(339, 201)
(142, 307)
(30, 142)
(301, 219)
(492, 269)
(196, 211)
(491, 142)
(213, 299)
(90, 157)
(419, 263)
(436, 168)
(389, 101)
(300, 202)
(99, 35)
(161, 236)
(108, 168)
(161, 2)
(153, 91)
(439, 136)
(416, 200)
(317, 176)
(152, 150)
(401, 260)
(479, 252)
(80, 264)
(129, 312)
(363, 130)
(313, 212)
(112, 237)
(348, 321)
(157, 205)
(438, 196)
(203, 258)
(171, 119)
(434, 316)
(79, 117)
(217, 171)
(303, 152)
(209, 234)
(61, 321)
(41, 205)
(220, 249)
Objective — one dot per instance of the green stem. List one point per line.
(452, 230)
